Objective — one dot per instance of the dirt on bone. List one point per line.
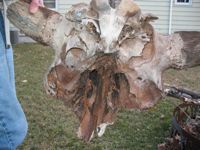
(59, 82)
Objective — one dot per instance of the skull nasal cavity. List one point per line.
(93, 76)
(89, 93)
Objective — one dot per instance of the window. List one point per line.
(50, 4)
(183, 2)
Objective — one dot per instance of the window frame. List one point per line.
(183, 3)
(56, 5)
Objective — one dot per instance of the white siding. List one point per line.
(186, 17)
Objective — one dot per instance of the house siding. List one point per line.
(186, 17)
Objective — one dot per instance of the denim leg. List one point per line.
(9, 55)
(10, 62)
(2, 27)
(13, 124)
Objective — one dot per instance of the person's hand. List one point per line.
(33, 7)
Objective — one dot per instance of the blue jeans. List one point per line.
(13, 124)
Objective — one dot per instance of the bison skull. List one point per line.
(107, 56)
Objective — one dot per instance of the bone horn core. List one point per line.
(39, 26)
(128, 8)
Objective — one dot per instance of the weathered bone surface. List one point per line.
(107, 56)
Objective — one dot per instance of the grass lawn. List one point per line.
(52, 126)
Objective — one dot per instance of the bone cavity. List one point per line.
(102, 128)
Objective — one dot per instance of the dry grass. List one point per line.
(53, 126)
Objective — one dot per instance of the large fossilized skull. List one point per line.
(95, 71)
(107, 57)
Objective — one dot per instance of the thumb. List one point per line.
(33, 7)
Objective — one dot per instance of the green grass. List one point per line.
(53, 126)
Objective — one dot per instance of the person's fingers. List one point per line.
(41, 3)
(33, 7)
